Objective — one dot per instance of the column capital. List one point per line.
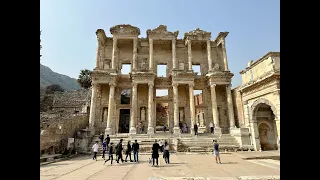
(112, 84)
(173, 41)
(175, 84)
(191, 85)
(150, 85)
(212, 84)
(134, 84)
(115, 39)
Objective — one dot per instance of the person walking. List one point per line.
(135, 148)
(101, 137)
(195, 127)
(211, 127)
(95, 148)
(110, 151)
(119, 151)
(128, 152)
(166, 152)
(108, 141)
(155, 152)
(216, 151)
(104, 148)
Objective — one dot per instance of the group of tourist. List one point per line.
(162, 147)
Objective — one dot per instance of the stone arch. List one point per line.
(257, 103)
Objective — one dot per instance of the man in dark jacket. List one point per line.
(101, 137)
(135, 148)
(155, 152)
(195, 126)
(107, 140)
(128, 152)
(119, 151)
(110, 150)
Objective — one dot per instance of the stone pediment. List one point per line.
(161, 32)
(125, 29)
(197, 34)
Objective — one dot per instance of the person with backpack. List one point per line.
(110, 151)
(104, 148)
(135, 148)
(216, 151)
(128, 152)
(119, 151)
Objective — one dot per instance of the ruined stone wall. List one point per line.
(55, 129)
(238, 107)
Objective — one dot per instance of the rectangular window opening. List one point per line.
(198, 97)
(126, 68)
(162, 93)
(162, 70)
(196, 68)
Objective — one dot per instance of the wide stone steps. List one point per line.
(187, 142)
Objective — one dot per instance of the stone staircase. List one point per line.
(204, 143)
(181, 143)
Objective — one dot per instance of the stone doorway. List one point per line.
(124, 120)
(266, 127)
(162, 115)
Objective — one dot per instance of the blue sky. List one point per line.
(69, 26)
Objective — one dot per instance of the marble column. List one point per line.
(114, 52)
(110, 109)
(150, 54)
(96, 93)
(135, 53)
(189, 55)
(133, 109)
(209, 54)
(192, 107)
(150, 102)
(230, 106)
(215, 112)
(224, 53)
(176, 128)
(98, 58)
(174, 61)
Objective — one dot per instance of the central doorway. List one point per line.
(124, 120)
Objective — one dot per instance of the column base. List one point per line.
(150, 130)
(217, 130)
(176, 130)
(133, 130)
(107, 131)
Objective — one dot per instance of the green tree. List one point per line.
(85, 79)
(54, 88)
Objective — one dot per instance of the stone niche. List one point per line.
(106, 64)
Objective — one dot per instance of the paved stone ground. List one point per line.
(180, 167)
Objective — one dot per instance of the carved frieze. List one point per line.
(125, 29)
(259, 86)
(161, 32)
(197, 34)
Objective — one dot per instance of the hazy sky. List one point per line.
(68, 27)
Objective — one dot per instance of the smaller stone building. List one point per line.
(257, 101)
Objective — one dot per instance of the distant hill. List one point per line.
(48, 77)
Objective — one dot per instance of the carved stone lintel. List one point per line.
(161, 31)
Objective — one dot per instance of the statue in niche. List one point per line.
(105, 115)
(181, 116)
(216, 67)
(143, 65)
(181, 66)
(143, 115)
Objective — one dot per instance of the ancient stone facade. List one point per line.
(259, 97)
(160, 47)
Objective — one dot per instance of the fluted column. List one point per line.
(133, 109)
(98, 57)
(192, 107)
(215, 113)
(110, 109)
(150, 54)
(174, 62)
(224, 53)
(230, 106)
(176, 129)
(209, 54)
(189, 55)
(150, 102)
(96, 93)
(135, 53)
(114, 51)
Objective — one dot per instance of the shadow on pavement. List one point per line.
(229, 163)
